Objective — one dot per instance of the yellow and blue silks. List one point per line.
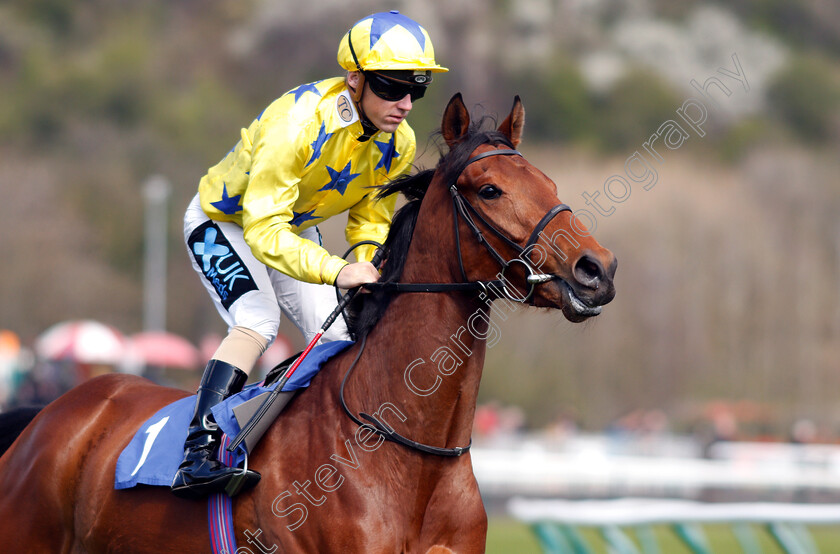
(299, 163)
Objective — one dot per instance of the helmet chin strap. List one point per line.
(367, 125)
(369, 130)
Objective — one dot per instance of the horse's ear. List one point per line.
(456, 121)
(514, 124)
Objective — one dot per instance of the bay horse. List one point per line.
(483, 226)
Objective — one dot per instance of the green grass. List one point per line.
(507, 536)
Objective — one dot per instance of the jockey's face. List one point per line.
(385, 115)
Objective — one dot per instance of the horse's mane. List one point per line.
(366, 309)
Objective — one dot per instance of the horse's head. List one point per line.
(485, 219)
(552, 259)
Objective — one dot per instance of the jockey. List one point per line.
(251, 230)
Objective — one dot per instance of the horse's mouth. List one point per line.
(574, 308)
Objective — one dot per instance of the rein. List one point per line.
(461, 209)
(384, 429)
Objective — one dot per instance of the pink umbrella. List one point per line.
(161, 348)
(83, 341)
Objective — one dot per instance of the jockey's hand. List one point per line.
(356, 274)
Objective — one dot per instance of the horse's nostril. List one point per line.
(588, 272)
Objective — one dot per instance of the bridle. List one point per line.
(466, 211)
(462, 209)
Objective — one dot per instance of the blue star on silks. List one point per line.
(340, 179)
(383, 22)
(228, 204)
(318, 143)
(389, 152)
(302, 217)
(302, 89)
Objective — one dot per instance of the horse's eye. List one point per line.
(489, 192)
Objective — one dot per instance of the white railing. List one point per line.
(531, 469)
(557, 523)
(536, 479)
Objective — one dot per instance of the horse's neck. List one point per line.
(422, 365)
(425, 356)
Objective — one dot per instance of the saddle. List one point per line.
(245, 411)
(277, 371)
(153, 455)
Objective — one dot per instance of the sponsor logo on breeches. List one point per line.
(220, 264)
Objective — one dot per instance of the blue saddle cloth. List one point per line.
(154, 454)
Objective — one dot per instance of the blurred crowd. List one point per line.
(34, 373)
(698, 432)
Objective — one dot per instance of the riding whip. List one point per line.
(253, 430)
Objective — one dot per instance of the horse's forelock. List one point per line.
(452, 164)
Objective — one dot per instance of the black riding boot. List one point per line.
(201, 473)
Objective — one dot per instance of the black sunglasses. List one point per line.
(393, 91)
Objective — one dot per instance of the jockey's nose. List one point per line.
(405, 103)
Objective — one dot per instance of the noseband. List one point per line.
(462, 209)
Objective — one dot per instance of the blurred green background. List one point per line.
(729, 273)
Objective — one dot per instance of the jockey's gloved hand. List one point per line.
(356, 274)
